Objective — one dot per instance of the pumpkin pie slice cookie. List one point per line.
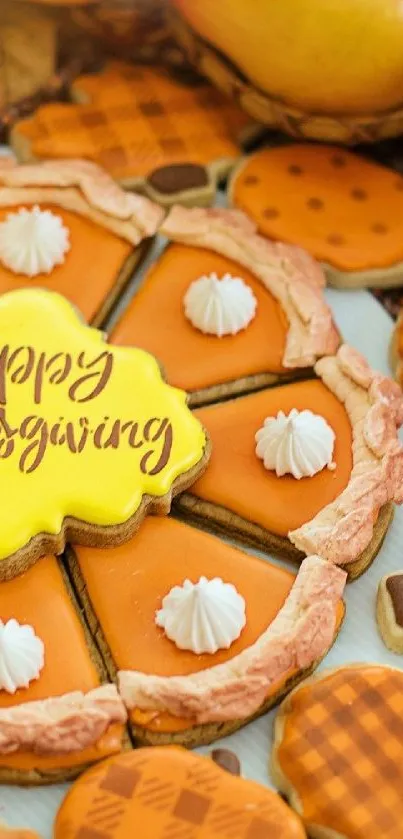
(201, 637)
(310, 467)
(338, 753)
(225, 311)
(171, 792)
(345, 210)
(148, 129)
(66, 226)
(57, 713)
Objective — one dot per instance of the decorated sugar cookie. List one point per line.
(174, 633)
(338, 753)
(171, 792)
(344, 209)
(66, 226)
(226, 311)
(91, 437)
(309, 467)
(146, 128)
(58, 714)
(389, 610)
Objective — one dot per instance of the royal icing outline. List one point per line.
(65, 397)
(300, 634)
(294, 279)
(84, 188)
(374, 404)
(61, 724)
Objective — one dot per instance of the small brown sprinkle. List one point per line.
(335, 239)
(399, 185)
(250, 180)
(315, 204)
(338, 160)
(227, 760)
(359, 194)
(270, 212)
(295, 170)
(379, 228)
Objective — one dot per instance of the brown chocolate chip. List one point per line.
(250, 180)
(359, 194)
(336, 239)
(226, 760)
(394, 585)
(270, 212)
(178, 177)
(379, 228)
(315, 204)
(338, 160)
(294, 170)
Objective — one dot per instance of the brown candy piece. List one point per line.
(389, 611)
(227, 760)
(178, 177)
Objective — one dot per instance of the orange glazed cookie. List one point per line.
(91, 437)
(226, 311)
(345, 210)
(338, 753)
(146, 128)
(307, 468)
(171, 792)
(54, 215)
(55, 715)
(200, 636)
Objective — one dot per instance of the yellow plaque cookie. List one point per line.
(90, 435)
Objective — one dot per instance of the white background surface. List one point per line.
(365, 325)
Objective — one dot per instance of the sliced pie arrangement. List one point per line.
(224, 390)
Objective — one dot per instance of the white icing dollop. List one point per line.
(300, 444)
(220, 306)
(202, 617)
(22, 655)
(33, 241)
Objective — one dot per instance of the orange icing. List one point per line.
(237, 480)
(155, 321)
(85, 280)
(170, 791)
(126, 586)
(39, 598)
(342, 208)
(341, 750)
(136, 119)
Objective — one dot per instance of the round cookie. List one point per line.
(338, 753)
(344, 209)
(171, 793)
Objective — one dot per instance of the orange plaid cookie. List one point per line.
(338, 753)
(172, 794)
(141, 125)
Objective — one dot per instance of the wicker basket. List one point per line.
(274, 113)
